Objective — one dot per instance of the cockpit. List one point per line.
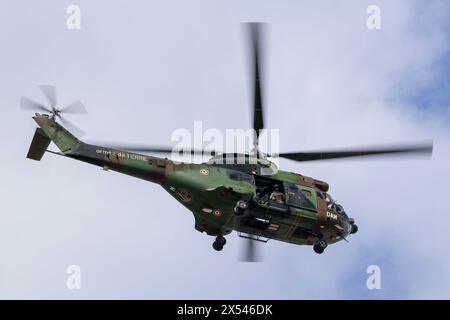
(331, 203)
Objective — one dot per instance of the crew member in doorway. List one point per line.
(277, 194)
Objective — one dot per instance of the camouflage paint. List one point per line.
(208, 191)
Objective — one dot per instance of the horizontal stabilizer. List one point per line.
(38, 145)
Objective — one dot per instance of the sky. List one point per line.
(146, 68)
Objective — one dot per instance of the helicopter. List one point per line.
(242, 192)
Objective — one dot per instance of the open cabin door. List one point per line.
(271, 194)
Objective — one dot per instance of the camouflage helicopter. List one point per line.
(247, 194)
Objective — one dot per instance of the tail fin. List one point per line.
(38, 145)
(51, 130)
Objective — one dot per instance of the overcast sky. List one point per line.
(146, 68)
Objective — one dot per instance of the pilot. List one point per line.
(277, 195)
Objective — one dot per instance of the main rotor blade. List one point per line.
(160, 149)
(50, 93)
(255, 32)
(27, 104)
(249, 249)
(75, 107)
(71, 127)
(417, 149)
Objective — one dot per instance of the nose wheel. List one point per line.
(320, 246)
(219, 243)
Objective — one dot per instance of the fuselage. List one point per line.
(210, 191)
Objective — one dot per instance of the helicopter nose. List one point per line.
(354, 229)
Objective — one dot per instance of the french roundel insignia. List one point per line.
(217, 212)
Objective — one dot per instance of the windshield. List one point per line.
(331, 204)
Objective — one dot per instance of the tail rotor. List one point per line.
(54, 112)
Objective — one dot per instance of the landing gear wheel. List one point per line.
(221, 240)
(240, 207)
(217, 246)
(219, 243)
(354, 229)
(320, 246)
(318, 249)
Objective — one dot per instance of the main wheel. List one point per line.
(320, 246)
(318, 249)
(240, 207)
(322, 243)
(217, 246)
(219, 243)
(221, 240)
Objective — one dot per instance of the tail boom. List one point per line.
(137, 165)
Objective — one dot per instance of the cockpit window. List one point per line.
(320, 194)
(240, 176)
(333, 205)
(299, 198)
(306, 192)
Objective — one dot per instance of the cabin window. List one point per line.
(297, 198)
(239, 176)
(307, 192)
